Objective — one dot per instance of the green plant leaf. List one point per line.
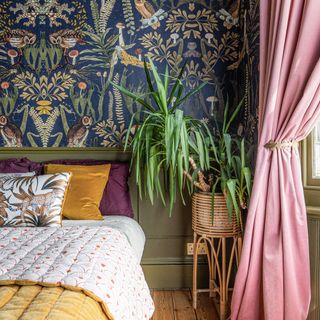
(229, 205)
(248, 178)
(160, 86)
(180, 175)
(225, 115)
(166, 80)
(177, 83)
(191, 93)
(200, 149)
(133, 96)
(172, 190)
(176, 103)
(234, 114)
(185, 145)
(231, 185)
(213, 192)
(149, 81)
(128, 134)
(227, 143)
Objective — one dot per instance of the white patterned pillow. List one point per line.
(32, 201)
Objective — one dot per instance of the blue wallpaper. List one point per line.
(57, 59)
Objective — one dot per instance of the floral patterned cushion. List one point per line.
(34, 201)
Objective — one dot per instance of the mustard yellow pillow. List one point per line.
(85, 189)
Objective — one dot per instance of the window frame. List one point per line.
(311, 185)
(308, 181)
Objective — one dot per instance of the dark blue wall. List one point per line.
(57, 58)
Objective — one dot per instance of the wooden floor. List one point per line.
(177, 305)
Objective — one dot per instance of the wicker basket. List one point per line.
(202, 216)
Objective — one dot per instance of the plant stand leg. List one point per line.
(239, 248)
(195, 270)
(223, 284)
(213, 270)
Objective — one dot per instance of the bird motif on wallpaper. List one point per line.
(66, 39)
(230, 16)
(78, 133)
(19, 38)
(149, 16)
(11, 134)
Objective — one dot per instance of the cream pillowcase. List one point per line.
(17, 174)
(34, 201)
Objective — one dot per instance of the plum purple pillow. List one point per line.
(15, 165)
(116, 196)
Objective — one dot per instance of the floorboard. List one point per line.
(182, 304)
(164, 305)
(205, 308)
(177, 305)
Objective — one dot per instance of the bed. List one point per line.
(129, 227)
(83, 270)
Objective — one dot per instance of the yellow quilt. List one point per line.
(35, 302)
(97, 261)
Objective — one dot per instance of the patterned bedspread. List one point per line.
(98, 260)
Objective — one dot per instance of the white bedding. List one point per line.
(127, 226)
(99, 260)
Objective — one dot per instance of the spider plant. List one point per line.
(232, 160)
(229, 172)
(166, 138)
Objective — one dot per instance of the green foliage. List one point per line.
(101, 15)
(82, 103)
(8, 102)
(43, 55)
(101, 51)
(230, 166)
(166, 137)
(128, 16)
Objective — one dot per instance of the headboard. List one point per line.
(45, 154)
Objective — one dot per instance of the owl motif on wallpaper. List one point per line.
(19, 38)
(149, 16)
(66, 39)
(78, 133)
(230, 17)
(10, 133)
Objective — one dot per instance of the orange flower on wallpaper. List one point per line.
(5, 85)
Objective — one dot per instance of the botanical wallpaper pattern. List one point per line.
(57, 59)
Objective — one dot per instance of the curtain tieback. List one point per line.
(273, 145)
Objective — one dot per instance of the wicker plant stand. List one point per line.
(215, 237)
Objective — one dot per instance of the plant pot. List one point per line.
(222, 225)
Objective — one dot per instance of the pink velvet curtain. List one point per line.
(273, 280)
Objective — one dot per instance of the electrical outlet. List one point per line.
(202, 248)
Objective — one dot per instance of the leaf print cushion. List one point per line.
(34, 201)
